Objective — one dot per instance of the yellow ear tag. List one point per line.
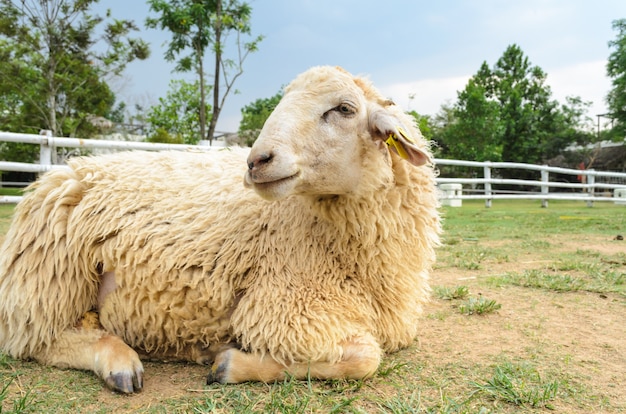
(393, 140)
(405, 135)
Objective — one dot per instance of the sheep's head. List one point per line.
(331, 134)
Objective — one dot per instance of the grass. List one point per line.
(509, 264)
(525, 220)
(11, 191)
(451, 293)
(473, 305)
(477, 237)
(598, 282)
(519, 385)
(479, 306)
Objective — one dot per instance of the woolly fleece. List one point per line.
(200, 260)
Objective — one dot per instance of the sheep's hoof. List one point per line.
(118, 364)
(125, 382)
(219, 369)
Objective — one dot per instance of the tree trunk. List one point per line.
(200, 68)
(52, 113)
(218, 61)
(202, 96)
(52, 101)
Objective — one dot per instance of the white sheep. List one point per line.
(183, 262)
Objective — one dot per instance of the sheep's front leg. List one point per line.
(96, 350)
(361, 357)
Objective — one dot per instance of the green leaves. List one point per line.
(190, 23)
(254, 116)
(506, 113)
(198, 25)
(176, 119)
(616, 70)
(477, 132)
(51, 70)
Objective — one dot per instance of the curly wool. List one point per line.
(198, 259)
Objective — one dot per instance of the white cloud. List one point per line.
(428, 94)
(587, 80)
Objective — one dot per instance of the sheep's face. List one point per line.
(324, 137)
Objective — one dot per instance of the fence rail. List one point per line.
(589, 190)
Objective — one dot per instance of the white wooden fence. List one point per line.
(589, 190)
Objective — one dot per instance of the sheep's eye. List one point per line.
(345, 109)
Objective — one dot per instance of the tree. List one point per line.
(423, 122)
(50, 66)
(254, 116)
(177, 117)
(438, 127)
(616, 70)
(570, 121)
(526, 110)
(197, 25)
(506, 113)
(475, 132)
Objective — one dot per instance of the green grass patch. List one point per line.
(448, 293)
(520, 385)
(6, 213)
(582, 270)
(11, 191)
(596, 282)
(471, 305)
(474, 257)
(22, 403)
(524, 219)
(479, 306)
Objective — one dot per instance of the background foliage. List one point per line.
(57, 59)
(176, 119)
(53, 75)
(197, 25)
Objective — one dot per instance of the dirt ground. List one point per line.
(580, 336)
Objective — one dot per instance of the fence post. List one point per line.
(487, 175)
(545, 189)
(591, 182)
(45, 150)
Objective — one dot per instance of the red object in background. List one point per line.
(582, 178)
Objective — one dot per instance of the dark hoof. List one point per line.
(219, 370)
(125, 382)
(217, 374)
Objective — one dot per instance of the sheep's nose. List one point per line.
(259, 160)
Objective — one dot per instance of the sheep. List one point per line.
(307, 255)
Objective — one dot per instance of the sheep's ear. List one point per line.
(389, 129)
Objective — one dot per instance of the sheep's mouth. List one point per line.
(261, 184)
(273, 189)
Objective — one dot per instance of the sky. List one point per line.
(418, 53)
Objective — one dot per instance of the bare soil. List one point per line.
(580, 336)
